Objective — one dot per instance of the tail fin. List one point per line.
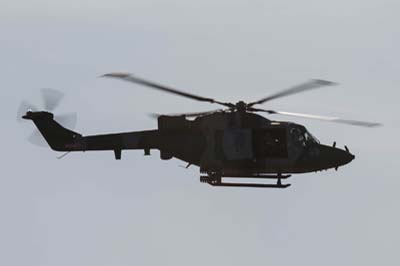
(58, 137)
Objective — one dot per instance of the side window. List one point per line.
(233, 144)
(237, 144)
(219, 152)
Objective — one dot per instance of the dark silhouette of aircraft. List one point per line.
(232, 142)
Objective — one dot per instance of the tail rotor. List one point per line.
(51, 99)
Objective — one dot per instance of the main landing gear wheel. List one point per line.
(212, 178)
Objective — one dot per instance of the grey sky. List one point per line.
(144, 211)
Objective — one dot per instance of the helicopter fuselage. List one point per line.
(243, 143)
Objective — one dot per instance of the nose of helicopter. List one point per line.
(336, 157)
(343, 157)
(322, 157)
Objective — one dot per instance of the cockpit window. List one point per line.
(297, 134)
(310, 137)
(302, 136)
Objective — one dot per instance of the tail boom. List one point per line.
(62, 139)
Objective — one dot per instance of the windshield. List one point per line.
(310, 137)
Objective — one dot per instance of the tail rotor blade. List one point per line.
(51, 98)
(68, 120)
(37, 139)
(23, 108)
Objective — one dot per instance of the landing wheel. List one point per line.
(213, 178)
(204, 179)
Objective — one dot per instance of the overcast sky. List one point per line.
(88, 209)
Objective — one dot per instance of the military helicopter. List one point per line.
(233, 142)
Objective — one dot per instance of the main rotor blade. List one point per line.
(131, 78)
(319, 117)
(155, 115)
(51, 98)
(310, 85)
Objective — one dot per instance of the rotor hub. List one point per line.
(241, 106)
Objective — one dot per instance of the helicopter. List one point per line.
(232, 142)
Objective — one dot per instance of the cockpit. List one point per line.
(272, 142)
(300, 135)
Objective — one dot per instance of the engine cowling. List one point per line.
(167, 125)
(172, 122)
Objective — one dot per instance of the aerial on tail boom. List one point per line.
(233, 142)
